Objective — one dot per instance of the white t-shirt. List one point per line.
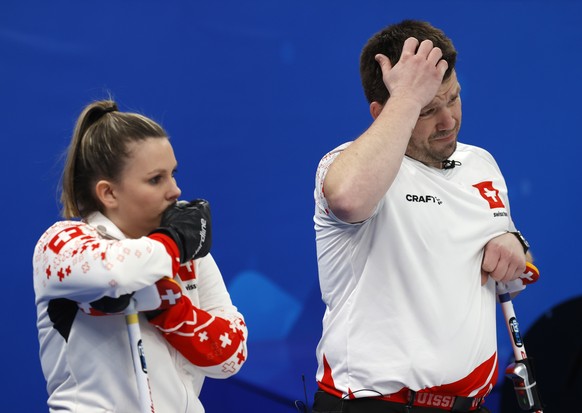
(404, 301)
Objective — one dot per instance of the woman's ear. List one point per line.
(104, 192)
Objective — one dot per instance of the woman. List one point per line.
(132, 236)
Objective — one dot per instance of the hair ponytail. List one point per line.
(98, 150)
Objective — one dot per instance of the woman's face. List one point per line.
(145, 189)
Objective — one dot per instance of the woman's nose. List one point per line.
(175, 191)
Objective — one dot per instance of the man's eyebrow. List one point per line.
(432, 104)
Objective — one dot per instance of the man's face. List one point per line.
(434, 138)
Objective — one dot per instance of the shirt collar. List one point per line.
(104, 226)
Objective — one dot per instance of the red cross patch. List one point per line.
(186, 271)
(64, 236)
(490, 194)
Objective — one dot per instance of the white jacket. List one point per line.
(87, 360)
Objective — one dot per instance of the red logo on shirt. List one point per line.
(186, 271)
(490, 194)
(66, 235)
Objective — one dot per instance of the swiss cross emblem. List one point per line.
(186, 271)
(490, 194)
(59, 240)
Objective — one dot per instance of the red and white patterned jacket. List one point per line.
(87, 360)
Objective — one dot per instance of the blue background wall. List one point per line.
(253, 94)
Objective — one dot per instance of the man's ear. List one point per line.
(375, 109)
(104, 192)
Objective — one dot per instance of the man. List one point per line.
(413, 231)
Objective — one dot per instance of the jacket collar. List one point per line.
(104, 226)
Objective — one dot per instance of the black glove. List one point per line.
(188, 224)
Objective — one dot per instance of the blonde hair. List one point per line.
(99, 150)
